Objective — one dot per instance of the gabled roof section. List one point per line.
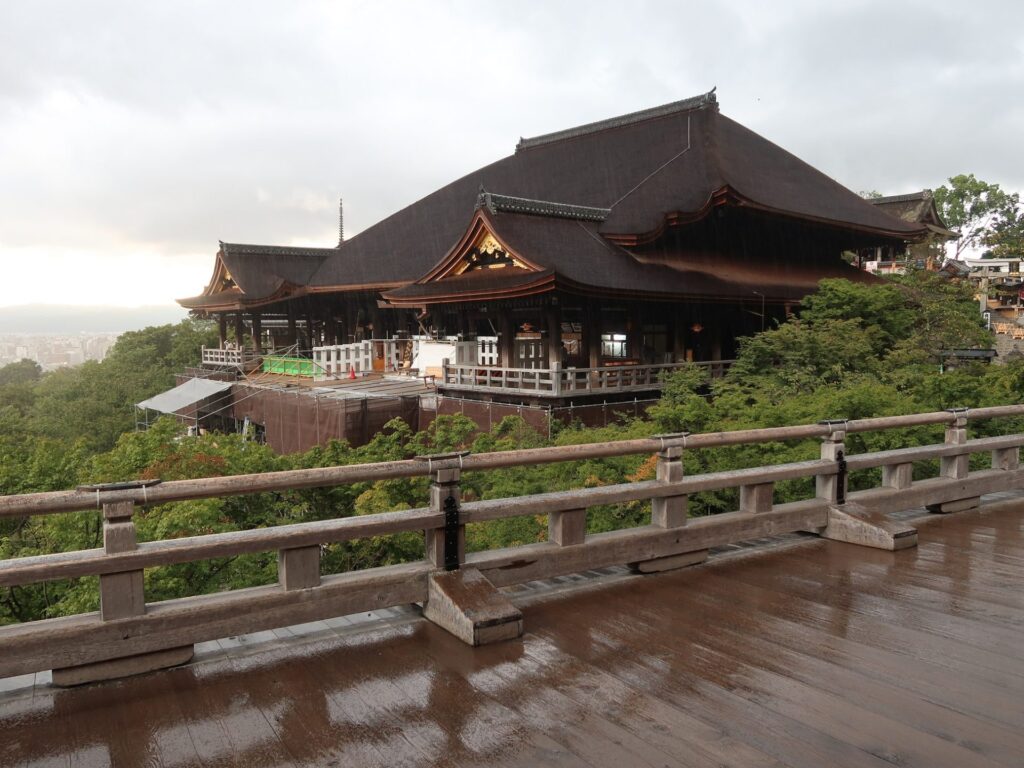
(916, 208)
(480, 247)
(248, 275)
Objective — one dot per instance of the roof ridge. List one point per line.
(279, 249)
(924, 194)
(508, 204)
(685, 105)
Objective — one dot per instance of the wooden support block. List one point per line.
(960, 505)
(756, 498)
(299, 568)
(466, 604)
(855, 524)
(124, 667)
(670, 563)
(898, 476)
(566, 528)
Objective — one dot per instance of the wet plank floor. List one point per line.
(808, 654)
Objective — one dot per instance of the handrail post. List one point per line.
(556, 379)
(833, 448)
(670, 511)
(121, 594)
(446, 545)
(957, 466)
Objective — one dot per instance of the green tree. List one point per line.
(985, 215)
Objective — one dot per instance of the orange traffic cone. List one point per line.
(351, 372)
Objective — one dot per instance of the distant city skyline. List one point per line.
(140, 134)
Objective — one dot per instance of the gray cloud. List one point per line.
(153, 128)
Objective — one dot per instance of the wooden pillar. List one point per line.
(222, 328)
(506, 338)
(634, 333)
(553, 320)
(377, 323)
(257, 332)
(239, 329)
(293, 331)
(310, 339)
(592, 335)
(678, 329)
(717, 332)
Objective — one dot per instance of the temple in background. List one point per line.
(567, 275)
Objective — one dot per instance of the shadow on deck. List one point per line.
(808, 652)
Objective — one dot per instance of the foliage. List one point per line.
(985, 215)
(856, 350)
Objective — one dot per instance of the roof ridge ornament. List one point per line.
(508, 204)
(704, 100)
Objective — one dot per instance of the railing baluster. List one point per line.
(898, 476)
(299, 567)
(568, 527)
(756, 498)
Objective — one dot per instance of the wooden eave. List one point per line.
(727, 196)
(285, 291)
(545, 283)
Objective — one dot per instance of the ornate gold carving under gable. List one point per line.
(487, 254)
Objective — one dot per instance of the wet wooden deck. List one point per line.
(811, 653)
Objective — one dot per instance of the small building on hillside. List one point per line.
(573, 271)
(916, 208)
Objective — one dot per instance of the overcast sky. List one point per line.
(135, 135)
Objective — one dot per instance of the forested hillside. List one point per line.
(854, 351)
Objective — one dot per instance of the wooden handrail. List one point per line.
(127, 626)
(211, 487)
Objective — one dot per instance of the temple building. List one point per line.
(915, 208)
(574, 270)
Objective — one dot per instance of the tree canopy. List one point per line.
(985, 215)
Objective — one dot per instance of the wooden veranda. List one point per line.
(802, 652)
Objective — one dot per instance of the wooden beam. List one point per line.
(85, 639)
(543, 561)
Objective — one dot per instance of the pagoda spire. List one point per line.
(341, 221)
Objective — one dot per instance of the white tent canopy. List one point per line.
(184, 395)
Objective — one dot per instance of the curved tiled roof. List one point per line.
(624, 178)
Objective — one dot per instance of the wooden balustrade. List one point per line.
(239, 358)
(129, 635)
(558, 381)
